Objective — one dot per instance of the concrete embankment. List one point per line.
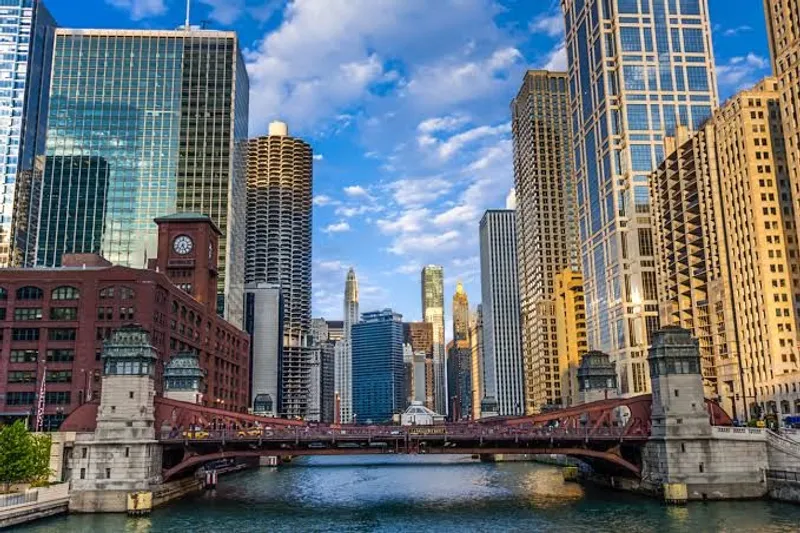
(34, 504)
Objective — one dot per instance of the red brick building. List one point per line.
(54, 321)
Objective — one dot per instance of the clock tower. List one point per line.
(187, 254)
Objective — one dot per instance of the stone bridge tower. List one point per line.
(122, 455)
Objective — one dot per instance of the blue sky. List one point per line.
(406, 103)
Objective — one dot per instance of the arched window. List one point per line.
(126, 293)
(65, 293)
(30, 293)
(107, 292)
(3, 294)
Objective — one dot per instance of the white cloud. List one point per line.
(323, 200)
(331, 265)
(446, 123)
(318, 157)
(741, 71)
(338, 227)
(352, 211)
(425, 242)
(225, 11)
(411, 221)
(140, 9)
(412, 192)
(511, 199)
(355, 191)
(733, 32)
(456, 142)
(557, 59)
(459, 214)
(409, 268)
(451, 82)
(550, 24)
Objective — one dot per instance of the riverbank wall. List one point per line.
(34, 504)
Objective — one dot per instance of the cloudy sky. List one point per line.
(406, 103)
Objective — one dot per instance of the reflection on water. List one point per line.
(426, 493)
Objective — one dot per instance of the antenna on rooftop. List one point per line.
(188, 6)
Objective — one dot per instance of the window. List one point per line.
(641, 158)
(631, 39)
(690, 7)
(65, 293)
(697, 78)
(637, 117)
(28, 313)
(60, 355)
(30, 293)
(628, 6)
(126, 313)
(20, 398)
(693, 40)
(25, 334)
(57, 398)
(24, 356)
(634, 77)
(59, 376)
(63, 313)
(105, 313)
(62, 334)
(83, 470)
(22, 376)
(3, 294)
(126, 293)
(107, 292)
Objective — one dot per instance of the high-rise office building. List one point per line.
(476, 349)
(727, 249)
(263, 320)
(636, 70)
(460, 314)
(344, 361)
(328, 376)
(545, 222)
(26, 52)
(433, 313)
(419, 335)
(503, 380)
(335, 330)
(570, 313)
(166, 111)
(279, 181)
(459, 359)
(319, 330)
(378, 367)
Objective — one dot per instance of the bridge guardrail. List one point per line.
(783, 475)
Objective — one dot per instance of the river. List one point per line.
(425, 494)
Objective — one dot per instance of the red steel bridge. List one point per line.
(608, 434)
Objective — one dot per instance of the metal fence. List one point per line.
(783, 475)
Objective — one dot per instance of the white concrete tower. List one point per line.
(344, 355)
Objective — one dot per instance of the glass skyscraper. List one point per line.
(26, 49)
(378, 372)
(432, 283)
(153, 122)
(637, 68)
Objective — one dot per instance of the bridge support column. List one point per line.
(685, 458)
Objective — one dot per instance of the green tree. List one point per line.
(24, 457)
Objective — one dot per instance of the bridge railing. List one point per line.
(441, 432)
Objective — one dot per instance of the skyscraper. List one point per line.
(263, 320)
(433, 313)
(279, 178)
(570, 313)
(636, 70)
(378, 391)
(420, 336)
(26, 53)
(459, 359)
(344, 361)
(783, 32)
(476, 348)
(167, 112)
(503, 380)
(545, 223)
(727, 249)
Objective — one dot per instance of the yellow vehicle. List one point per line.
(249, 432)
(195, 434)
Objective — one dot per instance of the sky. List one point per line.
(406, 105)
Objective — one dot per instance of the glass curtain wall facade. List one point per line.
(637, 68)
(27, 31)
(433, 313)
(378, 371)
(167, 112)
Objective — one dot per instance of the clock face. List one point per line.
(182, 244)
